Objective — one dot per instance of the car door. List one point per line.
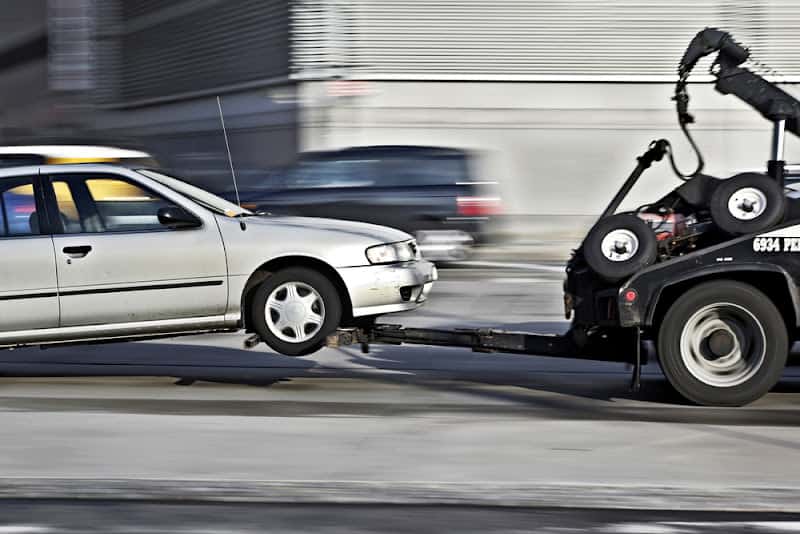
(28, 289)
(117, 263)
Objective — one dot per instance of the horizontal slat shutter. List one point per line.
(533, 40)
(197, 46)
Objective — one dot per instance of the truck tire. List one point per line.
(295, 310)
(619, 246)
(747, 203)
(724, 343)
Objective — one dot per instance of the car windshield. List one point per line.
(201, 196)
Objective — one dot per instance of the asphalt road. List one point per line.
(109, 517)
(399, 425)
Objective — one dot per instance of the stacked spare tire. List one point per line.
(620, 245)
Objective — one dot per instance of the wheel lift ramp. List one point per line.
(625, 347)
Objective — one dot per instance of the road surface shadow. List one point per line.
(510, 384)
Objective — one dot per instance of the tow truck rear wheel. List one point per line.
(724, 343)
(747, 203)
(619, 246)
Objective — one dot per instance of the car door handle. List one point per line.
(77, 252)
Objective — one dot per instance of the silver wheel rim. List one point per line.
(620, 245)
(747, 203)
(294, 312)
(733, 365)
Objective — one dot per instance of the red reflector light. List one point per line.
(630, 296)
(478, 206)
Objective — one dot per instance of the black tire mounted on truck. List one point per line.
(295, 309)
(619, 246)
(723, 343)
(747, 203)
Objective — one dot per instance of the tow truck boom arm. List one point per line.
(764, 96)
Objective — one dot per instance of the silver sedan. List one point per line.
(99, 252)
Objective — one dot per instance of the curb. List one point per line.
(631, 497)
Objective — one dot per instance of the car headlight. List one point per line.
(393, 252)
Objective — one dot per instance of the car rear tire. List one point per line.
(747, 203)
(295, 309)
(619, 246)
(724, 343)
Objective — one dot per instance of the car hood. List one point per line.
(372, 232)
(265, 238)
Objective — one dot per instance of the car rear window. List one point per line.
(18, 216)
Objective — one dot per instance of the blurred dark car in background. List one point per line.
(429, 192)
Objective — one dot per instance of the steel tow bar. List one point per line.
(626, 348)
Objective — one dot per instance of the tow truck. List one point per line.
(708, 273)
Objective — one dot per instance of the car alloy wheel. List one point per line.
(295, 312)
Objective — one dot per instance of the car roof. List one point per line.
(73, 151)
(30, 170)
(384, 150)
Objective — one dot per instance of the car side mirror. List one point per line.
(177, 218)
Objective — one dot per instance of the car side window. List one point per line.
(67, 209)
(18, 213)
(424, 170)
(332, 173)
(105, 203)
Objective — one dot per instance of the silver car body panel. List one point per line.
(28, 287)
(339, 244)
(112, 331)
(130, 277)
(375, 290)
(142, 283)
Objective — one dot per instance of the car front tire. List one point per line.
(295, 309)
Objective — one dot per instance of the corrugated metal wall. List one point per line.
(169, 49)
(136, 8)
(558, 40)
(71, 44)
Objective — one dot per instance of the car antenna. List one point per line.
(230, 159)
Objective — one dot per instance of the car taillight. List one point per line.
(478, 206)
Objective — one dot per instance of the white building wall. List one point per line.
(555, 148)
(562, 94)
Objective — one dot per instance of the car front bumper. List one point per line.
(380, 289)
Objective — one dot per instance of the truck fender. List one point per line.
(709, 273)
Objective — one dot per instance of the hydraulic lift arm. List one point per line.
(766, 98)
(762, 95)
